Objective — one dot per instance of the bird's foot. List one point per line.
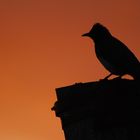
(104, 80)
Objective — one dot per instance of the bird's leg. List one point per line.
(119, 77)
(107, 76)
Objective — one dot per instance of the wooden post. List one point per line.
(103, 110)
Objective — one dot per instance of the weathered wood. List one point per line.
(100, 110)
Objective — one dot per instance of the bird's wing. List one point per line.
(118, 55)
(124, 54)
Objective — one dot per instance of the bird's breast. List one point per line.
(107, 64)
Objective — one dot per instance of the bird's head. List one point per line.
(98, 31)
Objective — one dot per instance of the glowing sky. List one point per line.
(41, 48)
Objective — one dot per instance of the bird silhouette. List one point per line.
(113, 54)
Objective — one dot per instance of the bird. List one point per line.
(113, 54)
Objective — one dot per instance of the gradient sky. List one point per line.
(41, 48)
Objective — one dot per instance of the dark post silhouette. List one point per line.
(102, 110)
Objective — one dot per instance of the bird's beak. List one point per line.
(86, 34)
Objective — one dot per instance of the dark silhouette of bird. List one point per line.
(113, 54)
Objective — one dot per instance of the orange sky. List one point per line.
(41, 48)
